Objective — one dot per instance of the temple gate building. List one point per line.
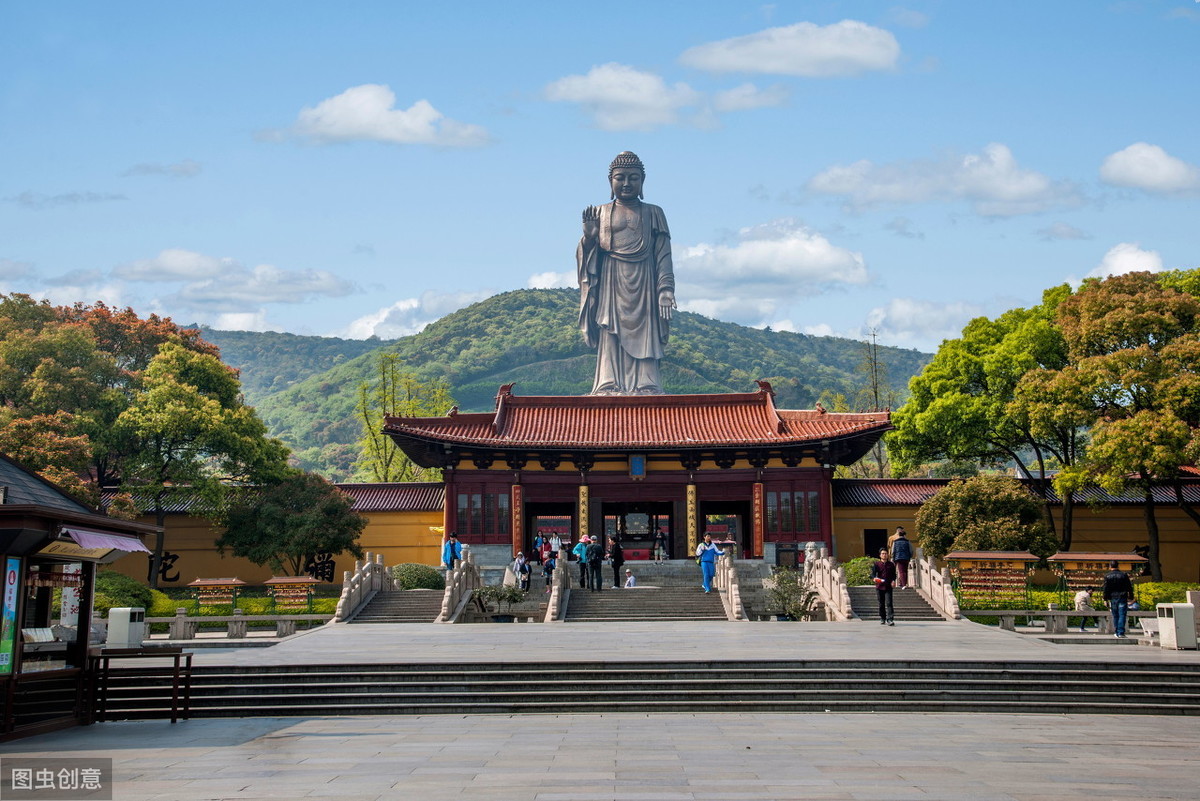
(730, 464)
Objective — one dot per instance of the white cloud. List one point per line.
(1061, 230)
(768, 267)
(1127, 257)
(991, 181)
(367, 113)
(241, 321)
(180, 169)
(748, 96)
(920, 323)
(238, 289)
(551, 280)
(845, 48)
(409, 316)
(907, 17)
(174, 264)
(228, 286)
(10, 269)
(621, 98)
(38, 201)
(1149, 167)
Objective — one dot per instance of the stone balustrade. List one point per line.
(727, 586)
(358, 587)
(934, 586)
(829, 579)
(463, 580)
(560, 590)
(237, 626)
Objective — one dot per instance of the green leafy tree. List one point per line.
(396, 392)
(984, 513)
(187, 428)
(965, 405)
(286, 523)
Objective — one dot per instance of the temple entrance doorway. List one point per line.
(727, 520)
(549, 519)
(634, 524)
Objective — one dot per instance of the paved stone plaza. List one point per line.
(666, 757)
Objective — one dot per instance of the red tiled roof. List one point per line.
(638, 422)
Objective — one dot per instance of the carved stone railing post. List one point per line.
(181, 628)
(727, 586)
(237, 628)
(560, 591)
(829, 579)
(460, 583)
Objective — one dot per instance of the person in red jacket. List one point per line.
(883, 572)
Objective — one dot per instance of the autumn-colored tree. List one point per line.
(287, 522)
(396, 392)
(984, 513)
(1134, 345)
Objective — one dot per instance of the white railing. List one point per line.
(934, 586)
(829, 579)
(359, 587)
(560, 591)
(460, 583)
(727, 586)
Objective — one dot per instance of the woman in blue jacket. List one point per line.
(451, 551)
(707, 553)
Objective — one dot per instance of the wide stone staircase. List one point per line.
(670, 591)
(401, 606)
(682, 686)
(907, 604)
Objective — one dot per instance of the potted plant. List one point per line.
(790, 596)
(493, 597)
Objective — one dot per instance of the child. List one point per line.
(630, 581)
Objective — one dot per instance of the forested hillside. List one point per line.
(271, 362)
(530, 337)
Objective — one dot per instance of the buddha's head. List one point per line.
(626, 175)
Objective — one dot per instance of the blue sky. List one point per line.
(367, 167)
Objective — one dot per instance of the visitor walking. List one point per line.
(536, 554)
(1083, 603)
(556, 543)
(616, 555)
(1118, 592)
(595, 561)
(706, 555)
(451, 552)
(630, 580)
(548, 568)
(902, 553)
(883, 573)
(580, 551)
(660, 547)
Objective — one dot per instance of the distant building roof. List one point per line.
(383, 497)
(26, 487)
(635, 423)
(915, 491)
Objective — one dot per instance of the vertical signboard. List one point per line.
(758, 501)
(518, 518)
(8, 616)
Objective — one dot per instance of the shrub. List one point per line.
(788, 594)
(418, 577)
(858, 571)
(114, 589)
(497, 596)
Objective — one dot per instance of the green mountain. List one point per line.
(528, 337)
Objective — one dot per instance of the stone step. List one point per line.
(401, 606)
(860, 686)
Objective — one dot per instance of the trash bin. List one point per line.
(1177, 625)
(126, 627)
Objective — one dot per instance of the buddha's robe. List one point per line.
(621, 275)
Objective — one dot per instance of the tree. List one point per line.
(1134, 343)
(287, 523)
(187, 428)
(395, 393)
(965, 405)
(984, 513)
